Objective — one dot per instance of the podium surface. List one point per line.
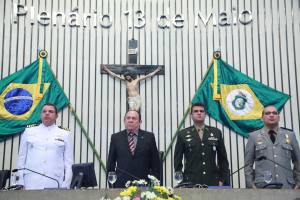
(186, 194)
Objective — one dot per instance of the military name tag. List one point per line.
(213, 138)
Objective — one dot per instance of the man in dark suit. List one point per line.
(201, 145)
(133, 153)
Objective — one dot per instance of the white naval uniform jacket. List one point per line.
(47, 150)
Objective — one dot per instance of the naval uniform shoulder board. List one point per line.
(287, 129)
(31, 125)
(66, 129)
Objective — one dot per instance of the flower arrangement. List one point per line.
(142, 190)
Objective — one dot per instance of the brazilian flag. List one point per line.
(234, 99)
(23, 93)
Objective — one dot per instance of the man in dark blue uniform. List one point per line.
(200, 145)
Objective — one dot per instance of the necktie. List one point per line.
(131, 143)
(200, 133)
(272, 136)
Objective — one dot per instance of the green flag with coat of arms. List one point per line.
(234, 99)
(23, 93)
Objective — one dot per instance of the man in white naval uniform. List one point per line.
(47, 149)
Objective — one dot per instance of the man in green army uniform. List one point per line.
(200, 145)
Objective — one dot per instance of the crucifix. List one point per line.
(129, 72)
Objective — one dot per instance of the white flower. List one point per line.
(154, 180)
(142, 182)
(139, 182)
(148, 195)
(146, 190)
(128, 183)
(151, 177)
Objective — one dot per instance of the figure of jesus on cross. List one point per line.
(132, 82)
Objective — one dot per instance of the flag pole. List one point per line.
(176, 133)
(216, 55)
(43, 55)
(87, 137)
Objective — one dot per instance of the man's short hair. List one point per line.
(140, 118)
(263, 111)
(128, 73)
(197, 104)
(51, 104)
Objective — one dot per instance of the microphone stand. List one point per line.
(15, 170)
(275, 185)
(237, 170)
(127, 173)
(284, 167)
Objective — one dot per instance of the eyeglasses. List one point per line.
(269, 113)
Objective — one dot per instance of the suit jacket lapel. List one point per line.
(125, 141)
(140, 141)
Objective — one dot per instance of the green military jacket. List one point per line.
(200, 165)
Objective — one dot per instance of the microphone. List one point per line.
(245, 165)
(15, 170)
(231, 174)
(273, 161)
(275, 185)
(238, 170)
(127, 173)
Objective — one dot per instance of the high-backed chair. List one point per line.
(4, 175)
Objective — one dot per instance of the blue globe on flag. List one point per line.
(18, 101)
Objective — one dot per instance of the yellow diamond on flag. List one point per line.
(20, 100)
(240, 102)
